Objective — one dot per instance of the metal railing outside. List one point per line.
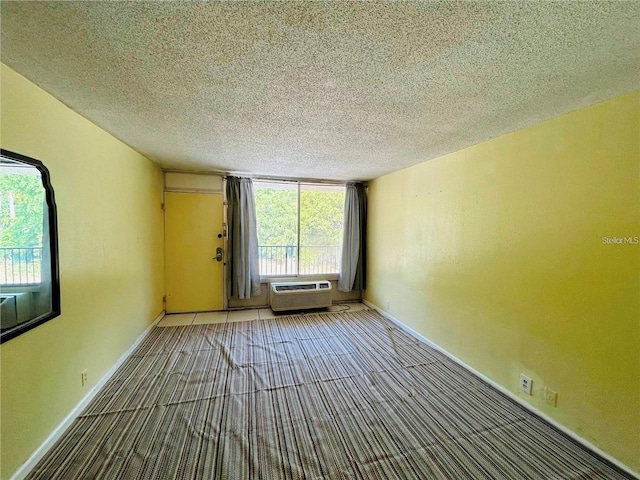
(20, 265)
(284, 259)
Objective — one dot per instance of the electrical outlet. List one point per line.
(387, 304)
(85, 377)
(550, 396)
(525, 384)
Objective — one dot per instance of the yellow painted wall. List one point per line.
(111, 263)
(496, 254)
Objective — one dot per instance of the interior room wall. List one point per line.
(500, 254)
(110, 228)
(211, 183)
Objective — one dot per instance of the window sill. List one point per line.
(298, 278)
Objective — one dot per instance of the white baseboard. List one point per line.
(57, 432)
(508, 393)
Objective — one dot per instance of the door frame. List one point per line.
(188, 182)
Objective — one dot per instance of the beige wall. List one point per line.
(111, 263)
(192, 182)
(496, 254)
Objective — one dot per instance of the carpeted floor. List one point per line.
(336, 396)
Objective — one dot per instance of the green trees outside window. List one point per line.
(299, 227)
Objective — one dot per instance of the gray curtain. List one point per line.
(244, 276)
(354, 246)
(44, 303)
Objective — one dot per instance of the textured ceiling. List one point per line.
(331, 90)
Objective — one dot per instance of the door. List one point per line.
(193, 235)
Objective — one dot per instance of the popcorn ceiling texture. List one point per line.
(327, 90)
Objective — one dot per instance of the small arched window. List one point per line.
(29, 279)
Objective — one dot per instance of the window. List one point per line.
(30, 292)
(299, 227)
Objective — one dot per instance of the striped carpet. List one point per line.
(339, 396)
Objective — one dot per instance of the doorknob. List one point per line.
(219, 254)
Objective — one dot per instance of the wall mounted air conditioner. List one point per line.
(299, 295)
(15, 308)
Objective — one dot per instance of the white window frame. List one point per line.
(297, 274)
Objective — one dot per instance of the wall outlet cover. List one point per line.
(525, 384)
(550, 397)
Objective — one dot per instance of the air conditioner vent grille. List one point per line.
(295, 286)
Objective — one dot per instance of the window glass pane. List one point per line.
(26, 265)
(277, 222)
(321, 219)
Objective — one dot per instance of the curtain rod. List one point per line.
(296, 180)
(263, 177)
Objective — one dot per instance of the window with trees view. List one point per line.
(28, 246)
(299, 227)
